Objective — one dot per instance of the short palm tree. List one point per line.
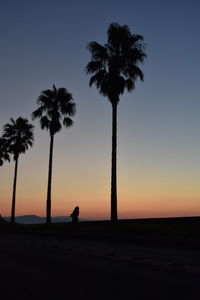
(56, 106)
(4, 154)
(19, 136)
(115, 69)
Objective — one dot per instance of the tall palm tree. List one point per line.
(56, 106)
(4, 154)
(19, 136)
(115, 69)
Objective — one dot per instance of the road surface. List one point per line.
(39, 267)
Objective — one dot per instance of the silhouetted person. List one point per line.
(74, 217)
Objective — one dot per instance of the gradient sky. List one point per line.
(44, 42)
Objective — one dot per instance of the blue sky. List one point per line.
(44, 42)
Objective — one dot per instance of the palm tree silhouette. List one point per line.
(115, 69)
(55, 105)
(19, 136)
(4, 155)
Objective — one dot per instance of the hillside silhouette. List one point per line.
(34, 219)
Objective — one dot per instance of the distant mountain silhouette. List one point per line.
(33, 219)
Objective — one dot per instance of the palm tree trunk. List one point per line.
(48, 205)
(14, 192)
(114, 217)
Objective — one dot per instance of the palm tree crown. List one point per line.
(4, 155)
(18, 135)
(115, 65)
(55, 105)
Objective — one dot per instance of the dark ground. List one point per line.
(50, 267)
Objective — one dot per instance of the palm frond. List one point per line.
(44, 122)
(98, 78)
(98, 52)
(4, 151)
(68, 109)
(94, 66)
(136, 40)
(136, 55)
(38, 112)
(129, 84)
(67, 122)
(133, 72)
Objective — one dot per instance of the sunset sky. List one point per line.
(44, 43)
